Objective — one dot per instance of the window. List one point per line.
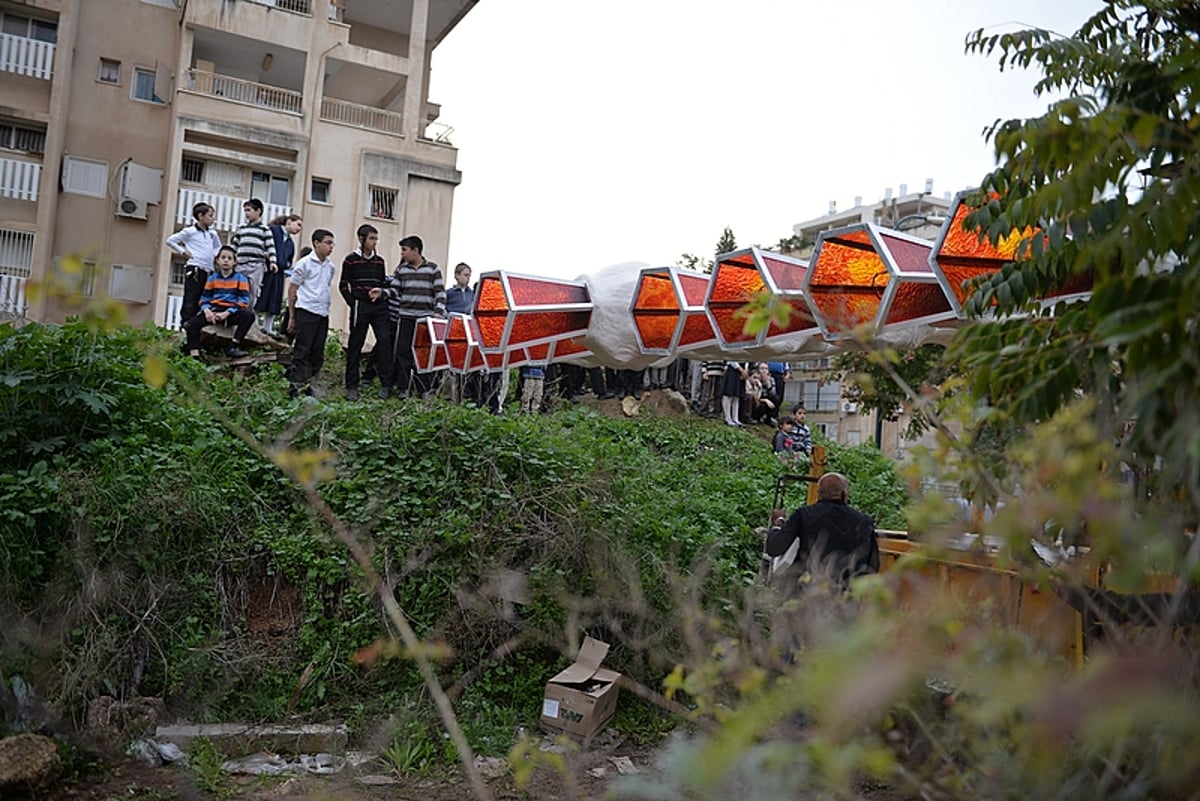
(77, 276)
(19, 137)
(853, 438)
(85, 176)
(383, 203)
(110, 71)
(191, 170)
(822, 397)
(178, 270)
(16, 252)
(30, 28)
(143, 86)
(320, 190)
(270, 189)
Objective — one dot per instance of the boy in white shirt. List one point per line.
(198, 243)
(308, 312)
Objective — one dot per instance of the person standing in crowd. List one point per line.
(308, 312)
(198, 243)
(766, 406)
(460, 299)
(270, 301)
(802, 432)
(779, 376)
(363, 286)
(533, 380)
(732, 387)
(414, 291)
(255, 248)
(225, 300)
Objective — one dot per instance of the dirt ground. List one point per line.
(126, 779)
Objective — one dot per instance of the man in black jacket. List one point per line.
(835, 542)
(362, 286)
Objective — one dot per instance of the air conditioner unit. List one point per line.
(849, 407)
(133, 208)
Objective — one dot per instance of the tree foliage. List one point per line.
(1109, 178)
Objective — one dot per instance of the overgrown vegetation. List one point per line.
(148, 550)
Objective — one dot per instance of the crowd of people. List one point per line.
(244, 282)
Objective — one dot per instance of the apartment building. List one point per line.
(116, 116)
(916, 213)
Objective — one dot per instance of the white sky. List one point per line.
(594, 133)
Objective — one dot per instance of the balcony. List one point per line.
(25, 56)
(229, 209)
(16, 260)
(20, 179)
(361, 116)
(295, 6)
(245, 92)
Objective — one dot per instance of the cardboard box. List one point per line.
(582, 698)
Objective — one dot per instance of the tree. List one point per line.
(727, 242)
(1109, 178)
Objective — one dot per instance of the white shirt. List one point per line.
(312, 278)
(203, 245)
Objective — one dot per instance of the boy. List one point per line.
(533, 378)
(199, 244)
(226, 298)
(362, 286)
(415, 290)
(308, 312)
(255, 246)
(802, 433)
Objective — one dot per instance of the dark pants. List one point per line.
(308, 352)
(404, 363)
(375, 317)
(194, 279)
(243, 319)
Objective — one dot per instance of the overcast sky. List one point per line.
(594, 133)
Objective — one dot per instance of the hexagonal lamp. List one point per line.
(429, 344)
(739, 276)
(862, 274)
(668, 310)
(517, 310)
(960, 256)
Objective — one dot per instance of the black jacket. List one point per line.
(836, 541)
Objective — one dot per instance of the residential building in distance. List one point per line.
(916, 213)
(117, 116)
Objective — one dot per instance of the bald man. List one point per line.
(836, 542)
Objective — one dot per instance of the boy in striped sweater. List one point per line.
(416, 289)
(255, 247)
(226, 299)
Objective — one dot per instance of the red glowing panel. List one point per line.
(656, 330)
(786, 274)
(697, 330)
(655, 292)
(917, 300)
(695, 287)
(532, 326)
(907, 255)
(545, 292)
(655, 311)
(957, 276)
(845, 308)
(841, 263)
(565, 348)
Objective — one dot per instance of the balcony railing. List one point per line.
(247, 92)
(229, 209)
(20, 179)
(12, 295)
(360, 116)
(296, 6)
(26, 56)
(174, 307)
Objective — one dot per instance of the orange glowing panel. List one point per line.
(518, 310)
(866, 275)
(462, 346)
(785, 279)
(656, 310)
(566, 349)
(736, 280)
(429, 344)
(961, 256)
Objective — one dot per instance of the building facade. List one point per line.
(117, 116)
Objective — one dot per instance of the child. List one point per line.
(308, 312)
(534, 378)
(198, 243)
(786, 444)
(226, 297)
(255, 247)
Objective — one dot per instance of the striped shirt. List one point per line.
(416, 291)
(254, 243)
(225, 292)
